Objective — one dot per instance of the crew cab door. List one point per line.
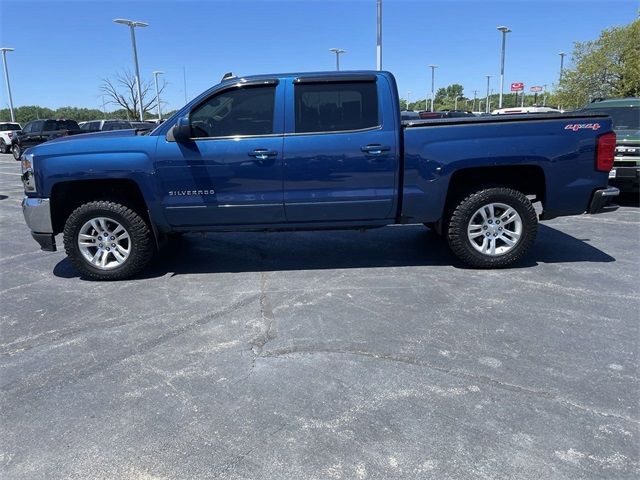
(31, 135)
(341, 149)
(230, 171)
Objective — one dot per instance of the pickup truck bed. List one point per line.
(314, 151)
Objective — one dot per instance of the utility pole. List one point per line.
(544, 98)
(379, 36)
(433, 78)
(4, 51)
(475, 96)
(337, 51)
(408, 99)
(487, 102)
(504, 31)
(132, 24)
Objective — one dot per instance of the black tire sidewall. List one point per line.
(16, 152)
(139, 234)
(3, 146)
(457, 232)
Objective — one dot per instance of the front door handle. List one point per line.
(262, 153)
(376, 149)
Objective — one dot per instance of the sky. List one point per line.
(63, 49)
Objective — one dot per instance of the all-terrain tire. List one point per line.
(459, 239)
(141, 247)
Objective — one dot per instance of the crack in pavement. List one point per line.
(15, 387)
(301, 350)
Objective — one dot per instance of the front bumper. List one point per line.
(37, 214)
(601, 200)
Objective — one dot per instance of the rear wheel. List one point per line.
(4, 148)
(107, 241)
(492, 228)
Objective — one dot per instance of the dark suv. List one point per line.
(39, 131)
(625, 113)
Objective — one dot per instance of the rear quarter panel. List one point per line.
(434, 153)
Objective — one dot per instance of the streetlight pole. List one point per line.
(132, 24)
(504, 31)
(488, 85)
(562, 54)
(433, 79)
(155, 76)
(379, 35)
(408, 99)
(475, 96)
(6, 77)
(455, 103)
(337, 51)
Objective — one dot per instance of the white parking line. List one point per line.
(9, 173)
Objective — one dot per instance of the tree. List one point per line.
(606, 67)
(123, 92)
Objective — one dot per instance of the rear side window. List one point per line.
(334, 107)
(53, 125)
(9, 126)
(241, 111)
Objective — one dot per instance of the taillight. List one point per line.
(605, 151)
(10, 135)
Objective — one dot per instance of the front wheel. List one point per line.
(107, 241)
(16, 152)
(492, 228)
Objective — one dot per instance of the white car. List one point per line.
(516, 110)
(7, 134)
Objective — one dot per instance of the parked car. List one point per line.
(104, 125)
(523, 110)
(407, 115)
(313, 151)
(625, 113)
(40, 131)
(8, 131)
(445, 114)
(143, 126)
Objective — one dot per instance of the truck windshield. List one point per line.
(624, 118)
(9, 126)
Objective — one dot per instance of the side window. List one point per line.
(27, 128)
(86, 126)
(37, 126)
(241, 111)
(333, 107)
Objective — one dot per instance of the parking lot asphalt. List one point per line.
(323, 355)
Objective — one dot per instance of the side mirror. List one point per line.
(181, 131)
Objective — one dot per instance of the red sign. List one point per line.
(517, 87)
(536, 89)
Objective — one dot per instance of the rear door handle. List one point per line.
(262, 153)
(375, 149)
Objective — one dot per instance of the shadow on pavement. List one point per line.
(385, 247)
(628, 200)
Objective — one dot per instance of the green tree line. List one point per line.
(26, 113)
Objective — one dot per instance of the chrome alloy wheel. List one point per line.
(494, 229)
(104, 243)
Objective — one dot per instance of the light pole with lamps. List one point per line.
(337, 51)
(562, 54)
(4, 51)
(155, 77)
(488, 85)
(132, 24)
(408, 99)
(504, 31)
(433, 78)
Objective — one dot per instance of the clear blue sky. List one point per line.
(65, 48)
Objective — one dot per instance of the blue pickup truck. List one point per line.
(313, 151)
